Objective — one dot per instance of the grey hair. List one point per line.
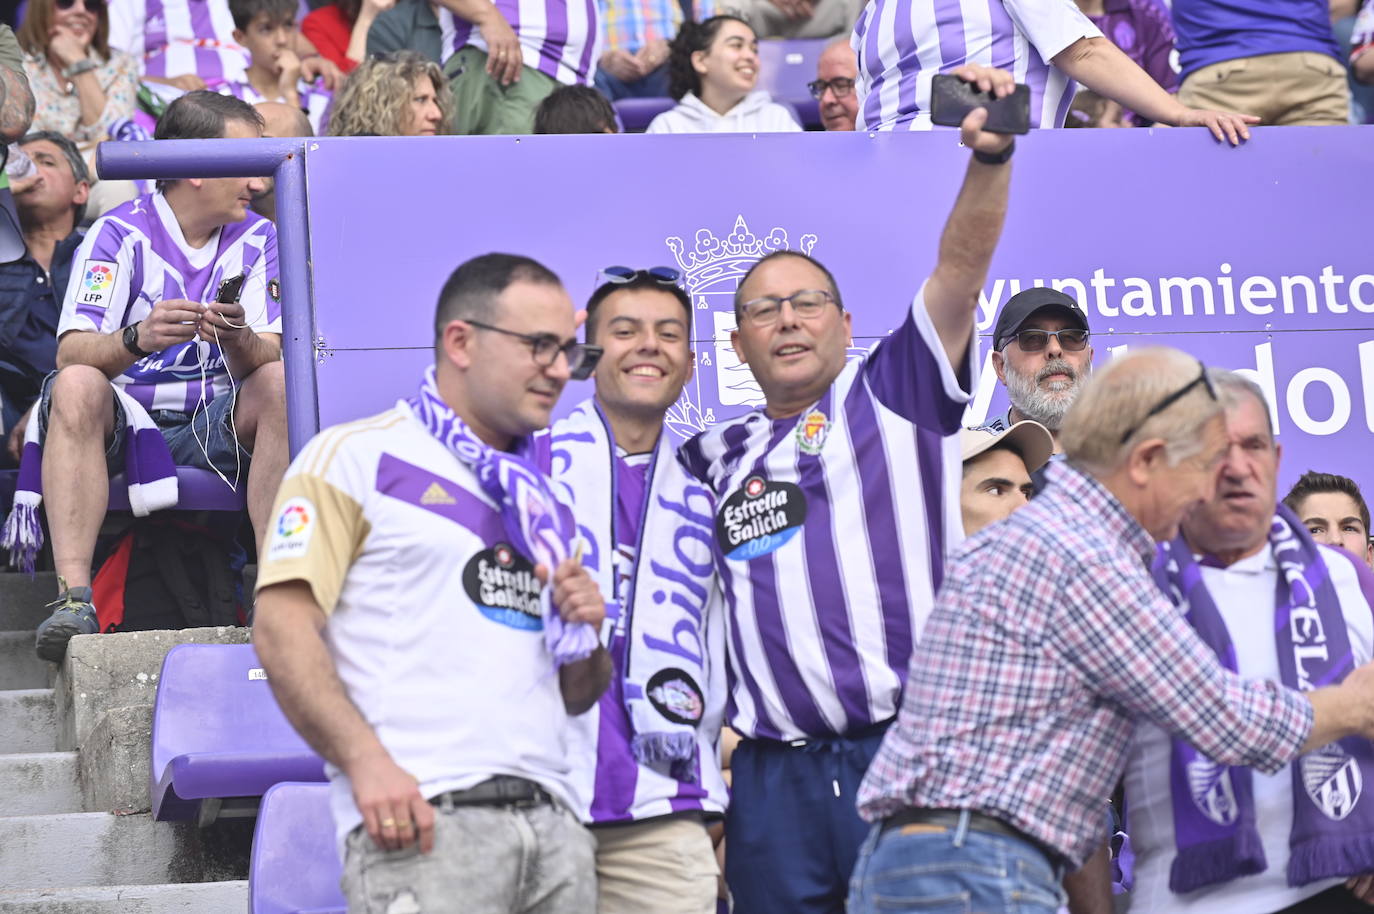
(1232, 385)
(79, 170)
(1116, 400)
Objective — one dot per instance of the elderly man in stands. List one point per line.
(1014, 727)
(1041, 354)
(833, 88)
(406, 629)
(169, 351)
(1271, 604)
(32, 287)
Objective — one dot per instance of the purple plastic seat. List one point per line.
(197, 490)
(636, 113)
(785, 69)
(219, 734)
(295, 867)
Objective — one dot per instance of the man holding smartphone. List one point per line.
(172, 322)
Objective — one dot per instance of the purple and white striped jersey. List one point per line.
(135, 256)
(559, 38)
(901, 44)
(315, 99)
(174, 37)
(831, 532)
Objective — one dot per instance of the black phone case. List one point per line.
(951, 99)
(230, 289)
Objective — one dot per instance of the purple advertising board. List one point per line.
(1253, 258)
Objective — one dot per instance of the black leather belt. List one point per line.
(502, 790)
(977, 821)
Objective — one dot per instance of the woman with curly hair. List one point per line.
(712, 71)
(401, 94)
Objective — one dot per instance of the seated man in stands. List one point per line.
(31, 287)
(833, 88)
(144, 345)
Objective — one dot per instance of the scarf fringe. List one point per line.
(1329, 857)
(1211, 862)
(568, 643)
(22, 535)
(676, 749)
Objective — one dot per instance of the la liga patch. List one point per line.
(95, 288)
(293, 529)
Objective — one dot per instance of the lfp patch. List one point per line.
(295, 526)
(97, 283)
(812, 431)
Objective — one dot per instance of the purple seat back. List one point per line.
(785, 69)
(218, 731)
(295, 865)
(636, 113)
(197, 490)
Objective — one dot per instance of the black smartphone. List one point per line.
(230, 289)
(951, 99)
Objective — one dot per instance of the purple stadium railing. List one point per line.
(284, 159)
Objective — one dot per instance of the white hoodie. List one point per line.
(756, 113)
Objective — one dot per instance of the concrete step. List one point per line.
(190, 898)
(28, 721)
(22, 599)
(39, 783)
(100, 849)
(20, 667)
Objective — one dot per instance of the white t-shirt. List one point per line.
(1244, 593)
(434, 623)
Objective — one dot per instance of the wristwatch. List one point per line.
(131, 340)
(81, 66)
(997, 158)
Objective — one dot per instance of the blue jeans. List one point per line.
(935, 869)
(654, 85)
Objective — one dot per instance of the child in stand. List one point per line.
(267, 29)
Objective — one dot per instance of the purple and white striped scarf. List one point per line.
(148, 470)
(1214, 812)
(538, 524)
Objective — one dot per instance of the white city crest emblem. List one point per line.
(1209, 784)
(1333, 780)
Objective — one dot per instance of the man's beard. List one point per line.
(1044, 406)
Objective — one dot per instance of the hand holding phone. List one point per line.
(952, 98)
(225, 315)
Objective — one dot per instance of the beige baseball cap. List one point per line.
(1032, 439)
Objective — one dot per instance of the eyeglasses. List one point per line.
(1071, 339)
(545, 347)
(664, 276)
(94, 7)
(808, 303)
(840, 85)
(1203, 378)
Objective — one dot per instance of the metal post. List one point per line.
(284, 158)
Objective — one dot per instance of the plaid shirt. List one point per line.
(1047, 640)
(628, 25)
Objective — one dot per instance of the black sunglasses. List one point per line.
(1203, 378)
(1071, 339)
(545, 347)
(93, 7)
(840, 85)
(664, 276)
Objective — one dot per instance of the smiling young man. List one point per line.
(1273, 605)
(834, 506)
(140, 316)
(407, 630)
(645, 760)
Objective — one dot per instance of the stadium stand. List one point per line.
(295, 867)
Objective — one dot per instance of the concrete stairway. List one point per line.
(74, 747)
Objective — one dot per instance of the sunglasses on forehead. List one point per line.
(664, 276)
(94, 7)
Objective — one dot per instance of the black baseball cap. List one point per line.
(1021, 306)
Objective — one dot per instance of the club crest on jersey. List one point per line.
(1333, 780)
(759, 518)
(676, 696)
(501, 582)
(97, 283)
(812, 432)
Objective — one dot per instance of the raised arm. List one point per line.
(288, 627)
(974, 226)
(1103, 67)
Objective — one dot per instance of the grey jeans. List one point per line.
(486, 860)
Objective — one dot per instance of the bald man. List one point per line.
(836, 71)
(281, 120)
